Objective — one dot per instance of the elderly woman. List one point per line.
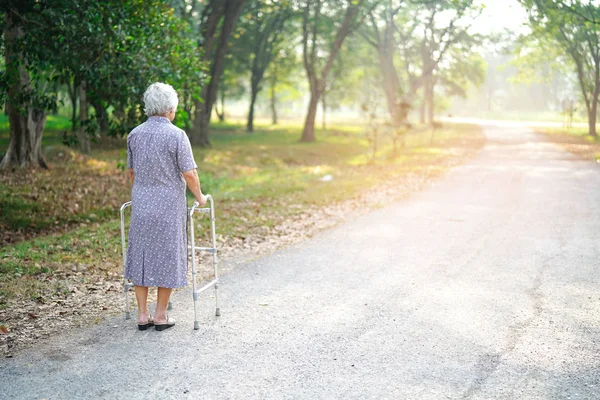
(161, 163)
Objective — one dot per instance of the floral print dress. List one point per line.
(158, 152)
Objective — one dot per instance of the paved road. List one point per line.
(484, 286)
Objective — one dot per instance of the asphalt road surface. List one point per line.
(486, 285)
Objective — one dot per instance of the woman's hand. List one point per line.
(202, 200)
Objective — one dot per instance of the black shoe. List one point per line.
(161, 327)
(143, 327)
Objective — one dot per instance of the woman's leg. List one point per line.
(160, 316)
(141, 294)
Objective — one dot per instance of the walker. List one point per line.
(192, 249)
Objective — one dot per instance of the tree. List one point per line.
(379, 32)
(108, 52)
(573, 27)
(232, 86)
(427, 33)
(547, 70)
(282, 78)
(355, 73)
(262, 30)
(322, 38)
(217, 21)
(462, 68)
(26, 106)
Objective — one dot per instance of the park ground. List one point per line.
(483, 285)
(60, 250)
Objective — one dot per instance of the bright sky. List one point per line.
(499, 15)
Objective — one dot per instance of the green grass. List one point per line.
(90, 243)
(55, 126)
(22, 263)
(576, 140)
(579, 132)
(53, 123)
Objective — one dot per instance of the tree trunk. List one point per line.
(25, 143)
(391, 82)
(317, 85)
(82, 134)
(253, 94)
(430, 102)
(592, 123)
(273, 103)
(594, 110)
(101, 115)
(26, 124)
(222, 115)
(72, 89)
(592, 116)
(390, 85)
(324, 108)
(308, 134)
(199, 131)
(201, 124)
(422, 109)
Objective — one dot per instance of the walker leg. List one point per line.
(213, 234)
(196, 322)
(218, 310)
(126, 287)
(192, 254)
(127, 313)
(170, 306)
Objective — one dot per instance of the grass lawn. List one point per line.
(67, 217)
(55, 126)
(576, 140)
(579, 132)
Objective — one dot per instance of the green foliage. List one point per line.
(282, 75)
(115, 48)
(538, 58)
(463, 69)
(560, 30)
(574, 27)
(423, 49)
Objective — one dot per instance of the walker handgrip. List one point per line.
(196, 205)
(207, 210)
(125, 205)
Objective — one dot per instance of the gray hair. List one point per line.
(159, 99)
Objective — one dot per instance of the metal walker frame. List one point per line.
(192, 249)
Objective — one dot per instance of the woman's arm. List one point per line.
(191, 179)
(130, 171)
